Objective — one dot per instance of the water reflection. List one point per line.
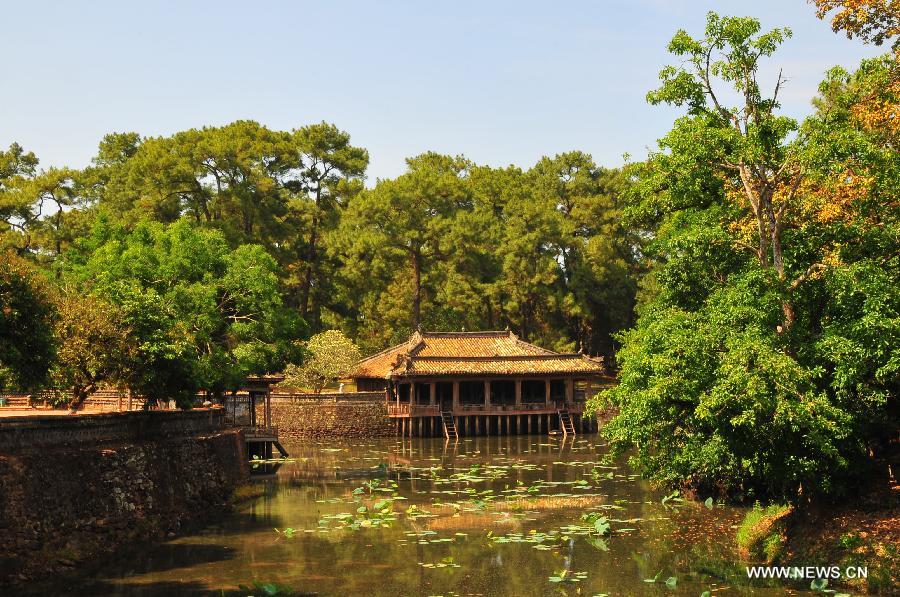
(482, 516)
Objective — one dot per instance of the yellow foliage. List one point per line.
(871, 20)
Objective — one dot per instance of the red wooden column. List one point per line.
(547, 392)
(487, 394)
(518, 393)
(455, 395)
(432, 393)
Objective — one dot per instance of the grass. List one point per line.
(761, 534)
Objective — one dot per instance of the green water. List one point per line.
(492, 516)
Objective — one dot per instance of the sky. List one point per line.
(499, 82)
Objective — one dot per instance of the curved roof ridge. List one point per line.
(530, 345)
(480, 334)
(496, 357)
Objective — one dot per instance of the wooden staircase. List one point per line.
(565, 423)
(449, 425)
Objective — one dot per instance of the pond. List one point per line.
(519, 515)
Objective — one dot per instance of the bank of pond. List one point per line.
(515, 515)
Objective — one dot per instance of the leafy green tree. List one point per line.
(282, 190)
(27, 347)
(224, 175)
(330, 355)
(204, 315)
(595, 253)
(468, 283)
(331, 172)
(741, 151)
(16, 208)
(763, 359)
(391, 237)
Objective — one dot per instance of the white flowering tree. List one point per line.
(330, 356)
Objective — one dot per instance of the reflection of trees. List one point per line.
(386, 561)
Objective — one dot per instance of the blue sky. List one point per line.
(501, 82)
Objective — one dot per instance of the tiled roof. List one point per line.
(472, 353)
(380, 364)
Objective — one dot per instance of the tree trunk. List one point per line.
(311, 255)
(79, 395)
(310, 265)
(415, 260)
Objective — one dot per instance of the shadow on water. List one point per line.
(150, 589)
(160, 558)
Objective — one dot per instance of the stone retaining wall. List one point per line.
(305, 417)
(34, 431)
(76, 488)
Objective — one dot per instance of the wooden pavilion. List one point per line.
(482, 383)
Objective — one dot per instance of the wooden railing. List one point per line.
(404, 409)
(414, 410)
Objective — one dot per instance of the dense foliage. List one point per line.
(446, 246)
(202, 315)
(451, 245)
(764, 360)
(26, 328)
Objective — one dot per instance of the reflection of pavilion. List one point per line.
(482, 383)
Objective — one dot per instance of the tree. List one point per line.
(27, 346)
(742, 376)
(51, 224)
(282, 190)
(393, 233)
(16, 167)
(742, 150)
(875, 21)
(203, 315)
(330, 355)
(331, 173)
(94, 346)
(595, 253)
